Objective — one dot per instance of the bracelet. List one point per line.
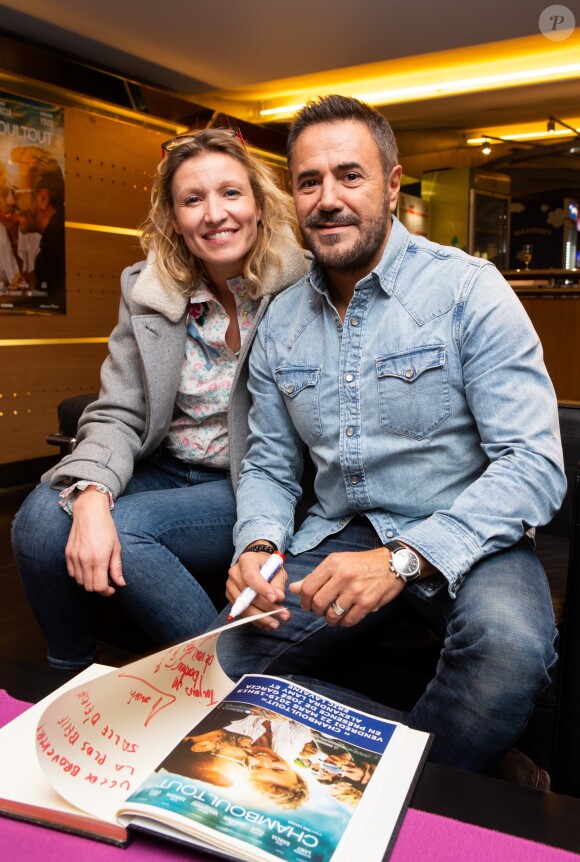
(265, 549)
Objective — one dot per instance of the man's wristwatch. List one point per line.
(404, 562)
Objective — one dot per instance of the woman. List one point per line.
(149, 484)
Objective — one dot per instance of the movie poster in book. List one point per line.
(32, 222)
(274, 766)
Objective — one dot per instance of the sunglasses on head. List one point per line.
(173, 143)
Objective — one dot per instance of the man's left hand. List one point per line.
(356, 582)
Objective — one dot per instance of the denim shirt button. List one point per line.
(349, 378)
(354, 480)
(349, 432)
(389, 534)
(290, 390)
(354, 321)
(409, 373)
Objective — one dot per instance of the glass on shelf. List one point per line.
(527, 251)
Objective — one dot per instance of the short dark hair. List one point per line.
(333, 109)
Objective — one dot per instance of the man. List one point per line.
(413, 376)
(39, 200)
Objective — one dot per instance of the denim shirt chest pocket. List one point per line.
(413, 390)
(300, 386)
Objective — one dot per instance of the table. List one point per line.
(546, 818)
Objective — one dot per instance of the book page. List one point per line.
(22, 781)
(98, 742)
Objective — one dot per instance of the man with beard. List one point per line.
(38, 196)
(412, 375)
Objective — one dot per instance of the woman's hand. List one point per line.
(269, 595)
(93, 551)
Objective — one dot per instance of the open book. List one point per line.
(259, 770)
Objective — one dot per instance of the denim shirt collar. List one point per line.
(385, 272)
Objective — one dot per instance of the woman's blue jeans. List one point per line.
(175, 523)
(498, 649)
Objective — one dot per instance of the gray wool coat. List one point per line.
(140, 376)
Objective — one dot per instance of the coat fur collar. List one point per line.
(149, 290)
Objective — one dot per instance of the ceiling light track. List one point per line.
(552, 126)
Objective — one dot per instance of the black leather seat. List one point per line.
(69, 412)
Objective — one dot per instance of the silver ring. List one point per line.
(336, 608)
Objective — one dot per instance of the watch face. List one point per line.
(406, 562)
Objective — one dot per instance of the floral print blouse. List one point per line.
(198, 431)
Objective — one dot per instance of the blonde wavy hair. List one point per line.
(177, 266)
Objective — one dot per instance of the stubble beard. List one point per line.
(327, 249)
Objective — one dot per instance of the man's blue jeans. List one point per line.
(498, 650)
(175, 523)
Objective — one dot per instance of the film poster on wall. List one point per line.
(32, 244)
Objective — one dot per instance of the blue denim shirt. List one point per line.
(429, 410)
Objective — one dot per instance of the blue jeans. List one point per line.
(498, 649)
(174, 523)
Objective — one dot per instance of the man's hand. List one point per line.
(93, 551)
(246, 573)
(359, 582)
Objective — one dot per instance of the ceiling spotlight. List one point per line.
(552, 124)
(486, 149)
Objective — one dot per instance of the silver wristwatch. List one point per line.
(404, 562)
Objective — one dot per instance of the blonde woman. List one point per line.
(142, 511)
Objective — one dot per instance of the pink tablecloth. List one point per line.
(423, 838)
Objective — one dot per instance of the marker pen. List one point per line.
(273, 564)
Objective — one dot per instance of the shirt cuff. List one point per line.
(452, 550)
(69, 495)
(254, 531)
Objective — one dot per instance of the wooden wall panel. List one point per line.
(33, 379)
(94, 265)
(557, 322)
(109, 169)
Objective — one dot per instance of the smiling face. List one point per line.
(215, 211)
(343, 199)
